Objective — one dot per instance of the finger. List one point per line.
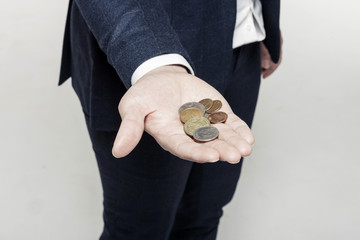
(227, 152)
(268, 72)
(240, 127)
(267, 66)
(266, 63)
(265, 57)
(263, 50)
(271, 69)
(129, 134)
(234, 139)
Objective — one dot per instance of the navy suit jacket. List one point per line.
(106, 40)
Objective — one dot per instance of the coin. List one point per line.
(217, 117)
(207, 102)
(205, 134)
(215, 106)
(191, 105)
(194, 123)
(188, 113)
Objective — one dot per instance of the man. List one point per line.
(146, 53)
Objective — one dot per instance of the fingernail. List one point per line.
(113, 153)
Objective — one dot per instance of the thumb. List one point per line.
(265, 57)
(265, 63)
(129, 134)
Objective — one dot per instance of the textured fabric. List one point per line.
(249, 27)
(153, 195)
(130, 32)
(105, 41)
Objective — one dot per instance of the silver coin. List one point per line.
(206, 115)
(191, 105)
(205, 134)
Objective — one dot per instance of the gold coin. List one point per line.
(218, 117)
(188, 113)
(194, 123)
(191, 104)
(207, 102)
(215, 106)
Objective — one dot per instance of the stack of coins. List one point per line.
(198, 116)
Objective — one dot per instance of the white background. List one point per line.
(301, 182)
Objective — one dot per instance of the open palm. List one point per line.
(152, 105)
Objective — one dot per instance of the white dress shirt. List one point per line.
(249, 27)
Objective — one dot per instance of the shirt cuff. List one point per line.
(158, 61)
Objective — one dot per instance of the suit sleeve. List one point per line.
(130, 32)
(271, 15)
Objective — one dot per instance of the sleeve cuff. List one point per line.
(158, 61)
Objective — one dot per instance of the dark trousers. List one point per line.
(152, 195)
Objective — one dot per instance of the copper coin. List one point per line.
(218, 117)
(215, 106)
(189, 113)
(205, 134)
(191, 105)
(207, 102)
(194, 123)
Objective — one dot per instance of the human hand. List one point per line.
(152, 104)
(267, 65)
